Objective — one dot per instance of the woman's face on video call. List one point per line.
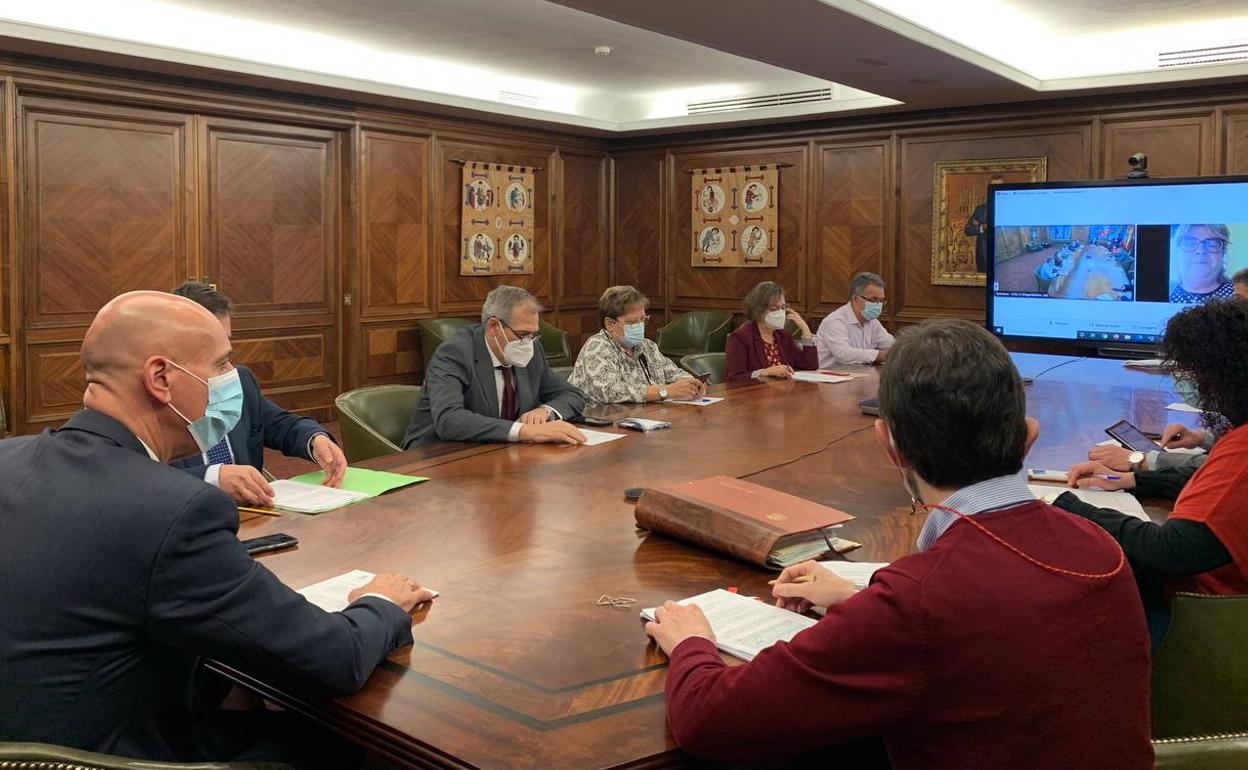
(1201, 264)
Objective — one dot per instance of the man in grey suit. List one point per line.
(492, 383)
(117, 572)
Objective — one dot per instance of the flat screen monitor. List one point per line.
(1107, 263)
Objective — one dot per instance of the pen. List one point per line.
(265, 511)
(1108, 477)
(798, 579)
(268, 476)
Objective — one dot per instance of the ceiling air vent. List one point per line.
(1216, 54)
(517, 98)
(760, 102)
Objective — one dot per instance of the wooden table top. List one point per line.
(516, 666)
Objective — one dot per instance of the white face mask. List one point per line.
(775, 318)
(518, 352)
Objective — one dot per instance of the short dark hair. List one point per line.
(1208, 345)
(616, 300)
(1241, 277)
(206, 295)
(760, 297)
(954, 402)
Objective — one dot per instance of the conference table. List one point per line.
(517, 665)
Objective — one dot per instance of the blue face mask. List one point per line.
(872, 310)
(225, 406)
(1185, 390)
(634, 333)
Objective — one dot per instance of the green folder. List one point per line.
(362, 480)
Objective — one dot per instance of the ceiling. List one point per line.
(535, 59)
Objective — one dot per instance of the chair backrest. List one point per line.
(563, 371)
(699, 331)
(1228, 751)
(374, 419)
(435, 331)
(554, 344)
(1200, 674)
(705, 363)
(36, 756)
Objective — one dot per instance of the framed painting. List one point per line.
(959, 192)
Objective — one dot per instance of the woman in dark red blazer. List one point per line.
(761, 347)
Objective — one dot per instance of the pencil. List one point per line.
(265, 511)
(798, 579)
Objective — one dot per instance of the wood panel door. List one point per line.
(269, 206)
(104, 194)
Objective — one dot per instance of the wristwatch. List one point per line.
(1136, 459)
(662, 393)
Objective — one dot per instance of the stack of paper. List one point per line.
(811, 547)
(596, 437)
(331, 595)
(1120, 501)
(311, 498)
(819, 377)
(703, 401)
(744, 627)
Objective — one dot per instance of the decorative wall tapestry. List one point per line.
(734, 216)
(959, 189)
(496, 220)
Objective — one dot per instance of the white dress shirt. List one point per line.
(843, 339)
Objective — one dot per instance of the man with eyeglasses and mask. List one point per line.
(1013, 637)
(118, 573)
(620, 364)
(491, 382)
(853, 334)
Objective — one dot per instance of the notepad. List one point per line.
(820, 377)
(331, 595)
(371, 483)
(744, 627)
(642, 424)
(311, 498)
(703, 401)
(1118, 500)
(596, 437)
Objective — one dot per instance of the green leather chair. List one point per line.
(705, 363)
(43, 756)
(565, 371)
(435, 331)
(698, 331)
(1200, 674)
(1225, 751)
(374, 419)
(555, 344)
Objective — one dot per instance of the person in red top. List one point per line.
(1203, 545)
(1013, 638)
(762, 347)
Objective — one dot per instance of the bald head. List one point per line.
(148, 356)
(140, 324)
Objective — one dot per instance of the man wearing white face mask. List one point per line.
(119, 573)
(853, 334)
(620, 365)
(492, 383)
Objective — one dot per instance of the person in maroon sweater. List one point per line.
(761, 347)
(1013, 638)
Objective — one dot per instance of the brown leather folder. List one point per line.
(734, 517)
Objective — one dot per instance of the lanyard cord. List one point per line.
(1122, 557)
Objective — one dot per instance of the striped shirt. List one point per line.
(988, 495)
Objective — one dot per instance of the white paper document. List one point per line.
(1123, 502)
(820, 377)
(311, 498)
(703, 401)
(596, 437)
(1144, 363)
(1179, 407)
(743, 626)
(331, 595)
(857, 572)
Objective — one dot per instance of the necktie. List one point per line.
(508, 410)
(221, 454)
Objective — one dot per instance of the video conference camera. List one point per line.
(1139, 166)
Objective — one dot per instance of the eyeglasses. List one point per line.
(1213, 245)
(645, 319)
(778, 307)
(882, 301)
(523, 337)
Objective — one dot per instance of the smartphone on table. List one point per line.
(269, 543)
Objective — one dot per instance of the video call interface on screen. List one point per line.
(1111, 263)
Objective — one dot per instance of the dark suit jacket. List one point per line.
(262, 424)
(459, 401)
(744, 353)
(118, 572)
(979, 217)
